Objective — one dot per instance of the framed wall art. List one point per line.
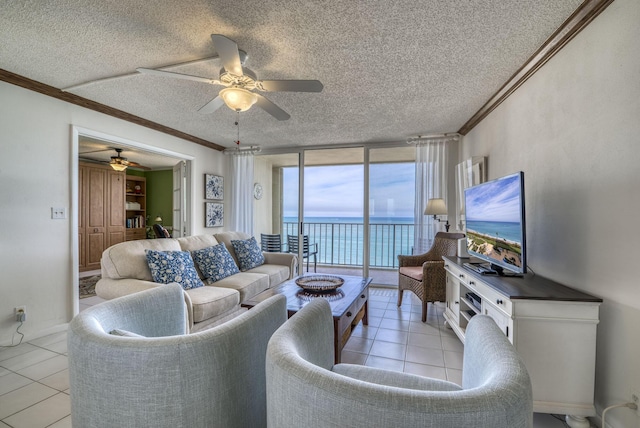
(213, 187)
(214, 214)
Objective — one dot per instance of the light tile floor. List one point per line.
(34, 377)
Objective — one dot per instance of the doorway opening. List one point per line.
(156, 189)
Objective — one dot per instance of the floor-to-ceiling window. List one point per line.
(354, 205)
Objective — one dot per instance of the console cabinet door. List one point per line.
(500, 318)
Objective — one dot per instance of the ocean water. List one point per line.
(341, 239)
(507, 230)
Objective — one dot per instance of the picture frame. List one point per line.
(214, 214)
(213, 187)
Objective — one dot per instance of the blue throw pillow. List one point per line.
(173, 266)
(248, 253)
(215, 262)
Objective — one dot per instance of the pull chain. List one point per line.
(238, 131)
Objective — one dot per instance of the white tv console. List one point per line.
(553, 328)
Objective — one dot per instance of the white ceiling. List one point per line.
(390, 69)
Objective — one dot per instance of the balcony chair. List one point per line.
(307, 250)
(132, 363)
(424, 274)
(306, 389)
(271, 243)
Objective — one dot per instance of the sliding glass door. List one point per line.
(333, 220)
(349, 210)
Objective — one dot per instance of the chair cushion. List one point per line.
(210, 302)
(215, 263)
(414, 272)
(173, 266)
(248, 284)
(248, 253)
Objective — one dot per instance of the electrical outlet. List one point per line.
(58, 213)
(21, 313)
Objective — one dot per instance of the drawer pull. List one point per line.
(461, 276)
(456, 302)
(446, 266)
(362, 296)
(499, 301)
(349, 314)
(472, 283)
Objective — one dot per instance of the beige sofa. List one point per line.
(125, 271)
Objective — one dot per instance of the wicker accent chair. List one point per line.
(424, 274)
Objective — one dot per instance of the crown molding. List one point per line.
(586, 13)
(33, 85)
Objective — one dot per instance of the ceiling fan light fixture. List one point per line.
(117, 166)
(238, 99)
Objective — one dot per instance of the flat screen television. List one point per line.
(494, 213)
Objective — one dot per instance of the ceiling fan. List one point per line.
(118, 162)
(240, 82)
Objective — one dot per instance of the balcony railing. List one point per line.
(342, 244)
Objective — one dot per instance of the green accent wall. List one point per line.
(160, 196)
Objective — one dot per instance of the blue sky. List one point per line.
(336, 191)
(497, 200)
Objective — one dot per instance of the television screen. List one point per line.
(494, 214)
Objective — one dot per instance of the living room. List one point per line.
(571, 127)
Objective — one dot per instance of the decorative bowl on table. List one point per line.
(319, 283)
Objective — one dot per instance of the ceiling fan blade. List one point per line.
(271, 108)
(135, 165)
(212, 105)
(228, 51)
(177, 75)
(290, 85)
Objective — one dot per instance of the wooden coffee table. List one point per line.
(349, 305)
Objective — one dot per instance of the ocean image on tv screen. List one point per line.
(493, 220)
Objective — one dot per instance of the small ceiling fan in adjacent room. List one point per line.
(117, 162)
(240, 82)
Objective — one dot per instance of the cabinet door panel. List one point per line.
(96, 215)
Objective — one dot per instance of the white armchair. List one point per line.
(304, 388)
(165, 377)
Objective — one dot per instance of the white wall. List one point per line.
(35, 175)
(262, 209)
(574, 129)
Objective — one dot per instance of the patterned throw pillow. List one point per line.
(173, 266)
(215, 262)
(248, 253)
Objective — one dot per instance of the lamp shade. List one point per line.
(436, 206)
(118, 166)
(238, 99)
(158, 219)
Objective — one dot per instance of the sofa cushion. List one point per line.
(129, 260)
(277, 273)
(173, 266)
(227, 237)
(210, 302)
(215, 263)
(248, 284)
(248, 253)
(197, 242)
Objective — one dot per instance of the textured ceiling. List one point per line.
(390, 70)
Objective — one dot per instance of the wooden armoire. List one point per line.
(101, 220)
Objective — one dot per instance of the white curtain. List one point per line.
(431, 182)
(242, 193)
